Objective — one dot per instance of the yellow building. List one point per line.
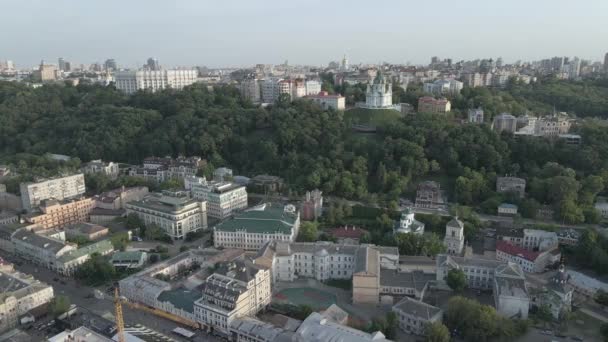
(57, 214)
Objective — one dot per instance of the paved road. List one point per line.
(78, 295)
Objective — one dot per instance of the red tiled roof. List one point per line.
(348, 232)
(510, 249)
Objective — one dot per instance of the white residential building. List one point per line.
(454, 237)
(20, 293)
(511, 297)
(253, 228)
(154, 80)
(223, 198)
(505, 279)
(236, 289)
(529, 261)
(39, 249)
(270, 89)
(539, 240)
(109, 169)
(326, 101)
(443, 87)
(174, 212)
(250, 89)
(313, 87)
(58, 188)
(413, 315)
(318, 328)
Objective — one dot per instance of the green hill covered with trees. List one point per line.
(312, 148)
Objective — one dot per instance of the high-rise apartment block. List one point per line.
(58, 188)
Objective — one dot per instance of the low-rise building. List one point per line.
(529, 239)
(253, 228)
(507, 209)
(8, 217)
(326, 101)
(222, 174)
(505, 279)
(427, 104)
(117, 198)
(109, 169)
(173, 211)
(408, 224)
(129, 259)
(266, 183)
(529, 261)
(584, 284)
(68, 263)
(312, 206)
(39, 249)
(223, 199)
(348, 235)
(429, 196)
(251, 329)
(601, 205)
(511, 297)
(504, 123)
(413, 315)
(476, 116)
(318, 328)
(443, 87)
(105, 216)
(557, 295)
(568, 237)
(80, 334)
(55, 213)
(20, 293)
(511, 184)
(236, 289)
(86, 231)
(399, 284)
(324, 261)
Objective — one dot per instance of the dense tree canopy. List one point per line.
(314, 148)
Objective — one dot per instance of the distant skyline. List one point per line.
(242, 33)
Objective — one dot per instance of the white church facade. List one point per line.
(379, 93)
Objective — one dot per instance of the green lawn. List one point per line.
(374, 117)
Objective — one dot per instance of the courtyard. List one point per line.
(317, 299)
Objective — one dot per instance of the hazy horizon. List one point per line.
(244, 33)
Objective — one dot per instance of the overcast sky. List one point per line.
(245, 32)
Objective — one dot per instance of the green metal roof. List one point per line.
(269, 220)
(181, 298)
(100, 247)
(127, 256)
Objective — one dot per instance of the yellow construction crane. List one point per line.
(120, 324)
